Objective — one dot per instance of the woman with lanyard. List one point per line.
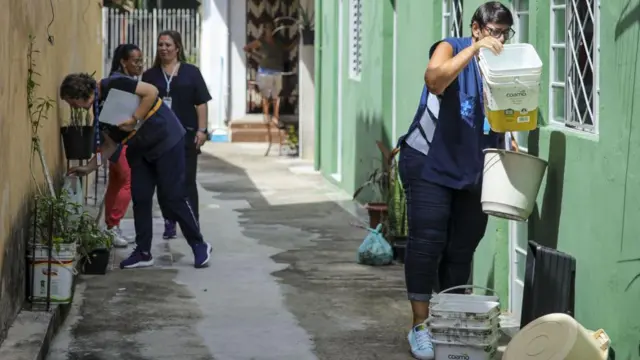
(441, 164)
(127, 61)
(155, 140)
(182, 89)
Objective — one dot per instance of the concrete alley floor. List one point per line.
(283, 282)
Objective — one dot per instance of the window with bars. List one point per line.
(575, 49)
(451, 18)
(355, 39)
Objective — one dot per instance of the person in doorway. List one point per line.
(184, 90)
(155, 153)
(440, 166)
(127, 61)
(270, 68)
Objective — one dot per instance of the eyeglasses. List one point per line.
(496, 33)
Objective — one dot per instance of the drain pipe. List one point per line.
(318, 84)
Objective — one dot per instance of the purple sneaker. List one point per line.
(137, 259)
(169, 230)
(201, 254)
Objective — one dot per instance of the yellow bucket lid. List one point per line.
(557, 337)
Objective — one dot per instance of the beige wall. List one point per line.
(76, 29)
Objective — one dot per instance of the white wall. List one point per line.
(238, 59)
(306, 86)
(218, 27)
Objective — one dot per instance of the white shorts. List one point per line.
(269, 85)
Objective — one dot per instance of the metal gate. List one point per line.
(141, 27)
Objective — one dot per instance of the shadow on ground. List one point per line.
(351, 311)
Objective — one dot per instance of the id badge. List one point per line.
(167, 100)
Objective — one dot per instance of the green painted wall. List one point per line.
(589, 204)
(366, 103)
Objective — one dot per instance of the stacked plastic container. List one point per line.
(464, 327)
(511, 85)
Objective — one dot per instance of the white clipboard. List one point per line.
(118, 107)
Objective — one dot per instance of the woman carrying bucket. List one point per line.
(441, 163)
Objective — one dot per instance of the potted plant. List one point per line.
(94, 247)
(78, 136)
(380, 182)
(53, 249)
(398, 223)
(305, 23)
(292, 140)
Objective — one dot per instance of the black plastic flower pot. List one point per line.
(97, 262)
(78, 142)
(399, 245)
(308, 36)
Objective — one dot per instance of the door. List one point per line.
(518, 231)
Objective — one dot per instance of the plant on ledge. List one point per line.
(380, 181)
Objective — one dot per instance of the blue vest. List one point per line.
(450, 129)
(158, 134)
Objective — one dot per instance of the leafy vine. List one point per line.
(38, 109)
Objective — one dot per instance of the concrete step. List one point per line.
(255, 135)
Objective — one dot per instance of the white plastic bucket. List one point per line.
(510, 183)
(455, 351)
(514, 60)
(557, 336)
(62, 272)
(467, 336)
(511, 86)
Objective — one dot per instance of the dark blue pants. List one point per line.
(445, 227)
(167, 173)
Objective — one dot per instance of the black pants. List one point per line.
(445, 228)
(167, 173)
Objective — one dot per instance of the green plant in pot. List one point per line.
(73, 231)
(380, 183)
(78, 136)
(305, 23)
(95, 245)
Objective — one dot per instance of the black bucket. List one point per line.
(78, 142)
(97, 262)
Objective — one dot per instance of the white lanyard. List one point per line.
(168, 79)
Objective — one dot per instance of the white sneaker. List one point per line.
(118, 240)
(129, 239)
(421, 344)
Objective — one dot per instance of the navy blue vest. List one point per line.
(454, 136)
(158, 134)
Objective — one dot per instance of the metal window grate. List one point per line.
(575, 50)
(355, 39)
(451, 18)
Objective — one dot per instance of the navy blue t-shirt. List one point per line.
(455, 155)
(187, 90)
(159, 133)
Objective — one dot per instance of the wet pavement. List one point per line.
(283, 282)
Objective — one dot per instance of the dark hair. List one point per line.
(177, 40)
(122, 52)
(492, 12)
(78, 86)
